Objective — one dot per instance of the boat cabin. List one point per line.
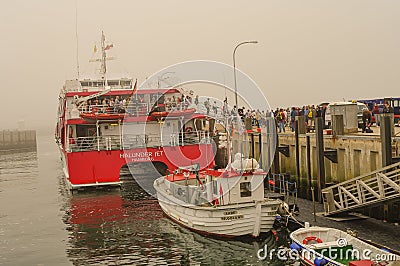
(216, 187)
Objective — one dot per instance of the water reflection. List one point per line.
(128, 227)
(14, 166)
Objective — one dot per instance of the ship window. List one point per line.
(112, 82)
(245, 189)
(125, 83)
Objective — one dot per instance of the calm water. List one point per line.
(42, 223)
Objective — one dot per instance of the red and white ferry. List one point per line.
(100, 129)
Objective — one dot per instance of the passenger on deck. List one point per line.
(207, 105)
(215, 108)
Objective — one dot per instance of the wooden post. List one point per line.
(309, 185)
(296, 134)
(319, 127)
(276, 168)
(386, 139)
(301, 120)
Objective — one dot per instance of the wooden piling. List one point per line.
(296, 134)
(309, 184)
(319, 127)
(386, 140)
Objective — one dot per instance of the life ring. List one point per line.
(311, 238)
(189, 130)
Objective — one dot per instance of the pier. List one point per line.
(350, 172)
(16, 140)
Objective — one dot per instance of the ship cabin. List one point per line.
(116, 116)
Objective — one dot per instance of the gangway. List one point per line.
(366, 190)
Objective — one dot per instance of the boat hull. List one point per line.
(218, 223)
(233, 220)
(336, 248)
(96, 168)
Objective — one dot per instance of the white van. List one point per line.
(360, 108)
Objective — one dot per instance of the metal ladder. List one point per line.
(366, 190)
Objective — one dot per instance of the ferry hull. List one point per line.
(95, 168)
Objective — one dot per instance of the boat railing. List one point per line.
(133, 109)
(113, 142)
(191, 137)
(131, 141)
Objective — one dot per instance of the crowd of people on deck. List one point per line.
(117, 104)
(136, 104)
(284, 117)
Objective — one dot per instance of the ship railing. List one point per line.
(133, 109)
(113, 142)
(174, 106)
(131, 141)
(192, 137)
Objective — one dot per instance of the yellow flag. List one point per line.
(95, 48)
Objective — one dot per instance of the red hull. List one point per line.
(96, 167)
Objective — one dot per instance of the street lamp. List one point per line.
(234, 69)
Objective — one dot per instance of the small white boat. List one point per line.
(321, 246)
(227, 203)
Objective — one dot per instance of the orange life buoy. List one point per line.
(311, 238)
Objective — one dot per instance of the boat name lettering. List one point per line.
(235, 217)
(230, 212)
(145, 154)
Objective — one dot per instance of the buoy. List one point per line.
(311, 238)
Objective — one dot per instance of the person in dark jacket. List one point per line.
(367, 120)
(387, 109)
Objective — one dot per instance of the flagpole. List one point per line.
(76, 36)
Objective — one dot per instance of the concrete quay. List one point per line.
(354, 155)
(357, 154)
(16, 140)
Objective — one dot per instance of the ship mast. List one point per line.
(104, 58)
(103, 68)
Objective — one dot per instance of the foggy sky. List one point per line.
(309, 51)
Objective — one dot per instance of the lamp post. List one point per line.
(234, 68)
